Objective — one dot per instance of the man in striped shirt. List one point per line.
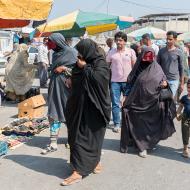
(43, 62)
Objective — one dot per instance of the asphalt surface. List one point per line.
(26, 169)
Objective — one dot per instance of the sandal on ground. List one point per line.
(67, 146)
(74, 178)
(48, 149)
(123, 150)
(116, 129)
(185, 153)
(98, 169)
(143, 154)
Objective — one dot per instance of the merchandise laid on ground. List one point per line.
(20, 131)
(30, 121)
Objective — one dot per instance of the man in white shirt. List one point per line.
(146, 41)
(43, 62)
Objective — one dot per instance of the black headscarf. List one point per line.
(90, 51)
(148, 120)
(63, 54)
(96, 76)
(88, 108)
(145, 79)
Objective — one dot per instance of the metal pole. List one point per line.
(176, 23)
(108, 6)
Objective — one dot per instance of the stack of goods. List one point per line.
(19, 131)
(18, 127)
(3, 148)
(13, 141)
(33, 92)
(39, 124)
(2, 93)
(32, 107)
(25, 127)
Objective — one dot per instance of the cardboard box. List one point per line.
(32, 112)
(33, 102)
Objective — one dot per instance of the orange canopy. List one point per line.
(6, 23)
(25, 9)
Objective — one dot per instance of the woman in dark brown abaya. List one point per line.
(145, 119)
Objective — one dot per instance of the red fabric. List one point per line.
(51, 45)
(42, 34)
(149, 56)
(6, 23)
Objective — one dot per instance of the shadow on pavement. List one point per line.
(169, 153)
(46, 165)
(9, 104)
(160, 151)
(41, 142)
(14, 116)
(111, 144)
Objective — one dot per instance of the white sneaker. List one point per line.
(143, 154)
(116, 129)
(48, 149)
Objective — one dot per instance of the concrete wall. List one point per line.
(178, 26)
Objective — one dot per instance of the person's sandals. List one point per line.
(67, 146)
(123, 150)
(143, 154)
(185, 153)
(74, 178)
(116, 129)
(98, 169)
(48, 149)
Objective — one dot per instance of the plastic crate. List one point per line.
(3, 148)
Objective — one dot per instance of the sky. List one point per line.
(135, 8)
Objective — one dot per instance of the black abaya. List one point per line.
(145, 119)
(88, 109)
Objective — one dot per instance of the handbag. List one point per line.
(166, 94)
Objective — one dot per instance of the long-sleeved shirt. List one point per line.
(171, 63)
(43, 54)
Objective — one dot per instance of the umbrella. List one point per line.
(25, 9)
(125, 22)
(184, 37)
(155, 33)
(77, 23)
(16, 14)
(7, 23)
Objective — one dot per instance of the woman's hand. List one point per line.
(164, 84)
(60, 69)
(179, 117)
(68, 83)
(81, 63)
(124, 101)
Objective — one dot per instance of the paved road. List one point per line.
(25, 169)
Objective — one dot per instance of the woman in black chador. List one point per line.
(88, 110)
(145, 119)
